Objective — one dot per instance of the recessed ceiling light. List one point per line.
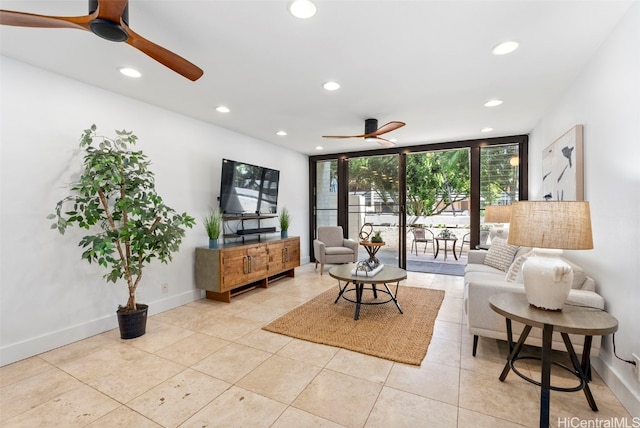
(302, 9)
(222, 109)
(281, 133)
(493, 103)
(486, 129)
(331, 86)
(505, 48)
(130, 72)
(319, 148)
(393, 140)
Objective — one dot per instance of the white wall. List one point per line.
(605, 98)
(48, 295)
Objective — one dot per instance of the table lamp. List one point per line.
(498, 214)
(549, 227)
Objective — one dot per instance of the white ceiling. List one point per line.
(427, 63)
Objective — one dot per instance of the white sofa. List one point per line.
(482, 281)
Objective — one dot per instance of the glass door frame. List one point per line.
(474, 147)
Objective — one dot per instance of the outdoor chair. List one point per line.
(331, 247)
(423, 235)
(466, 239)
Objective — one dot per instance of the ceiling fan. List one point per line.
(108, 19)
(372, 132)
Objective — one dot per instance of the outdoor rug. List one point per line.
(381, 331)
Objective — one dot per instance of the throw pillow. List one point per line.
(579, 276)
(514, 274)
(500, 255)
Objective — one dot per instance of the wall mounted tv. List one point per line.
(248, 189)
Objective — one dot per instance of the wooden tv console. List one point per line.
(238, 267)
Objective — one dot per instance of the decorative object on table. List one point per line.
(498, 215)
(562, 167)
(116, 200)
(365, 231)
(403, 337)
(367, 268)
(213, 225)
(549, 227)
(284, 220)
(445, 234)
(377, 237)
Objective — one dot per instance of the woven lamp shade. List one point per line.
(562, 225)
(497, 213)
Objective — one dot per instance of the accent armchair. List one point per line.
(331, 247)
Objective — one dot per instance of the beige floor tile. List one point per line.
(177, 399)
(28, 393)
(123, 417)
(265, 340)
(471, 419)
(401, 409)
(279, 378)
(159, 335)
(77, 349)
(435, 381)
(308, 352)
(232, 363)
(21, 370)
(192, 349)
(262, 313)
(293, 417)
(237, 408)
(512, 400)
(340, 398)
(443, 351)
(447, 330)
(359, 365)
(127, 379)
(229, 327)
(75, 408)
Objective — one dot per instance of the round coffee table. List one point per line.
(388, 274)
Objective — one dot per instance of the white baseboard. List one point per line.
(37, 345)
(618, 385)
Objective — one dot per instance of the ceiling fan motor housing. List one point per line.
(370, 125)
(106, 29)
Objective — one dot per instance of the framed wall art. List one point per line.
(562, 167)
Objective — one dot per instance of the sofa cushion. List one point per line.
(500, 255)
(579, 276)
(514, 273)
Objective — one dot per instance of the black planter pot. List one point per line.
(133, 324)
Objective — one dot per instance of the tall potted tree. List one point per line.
(129, 225)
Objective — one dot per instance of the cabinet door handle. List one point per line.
(250, 268)
(286, 250)
(245, 265)
(284, 254)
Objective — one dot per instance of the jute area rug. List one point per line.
(381, 331)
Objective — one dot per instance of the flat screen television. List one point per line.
(248, 189)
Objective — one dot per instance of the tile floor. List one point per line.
(209, 364)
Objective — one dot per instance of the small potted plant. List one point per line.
(377, 237)
(284, 220)
(213, 225)
(127, 222)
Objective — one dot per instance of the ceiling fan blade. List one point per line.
(20, 19)
(391, 126)
(342, 136)
(384, 142)
(169, 59)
